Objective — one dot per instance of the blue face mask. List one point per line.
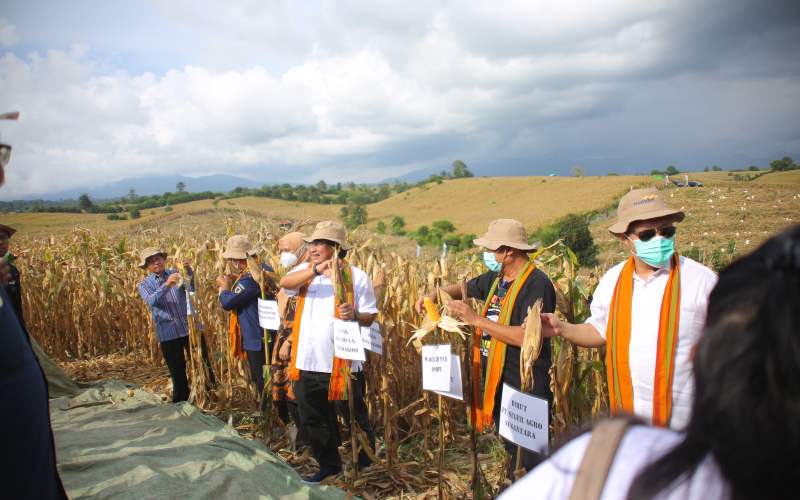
(656, 251)
(491, 262)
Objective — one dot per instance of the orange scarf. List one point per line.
(337, 388)
(481, 414)
(235, 331)
(618, 339)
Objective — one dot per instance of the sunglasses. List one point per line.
(649, 234)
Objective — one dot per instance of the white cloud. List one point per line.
(294, 91)
(8, 33)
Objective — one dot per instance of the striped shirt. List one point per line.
(167, 305)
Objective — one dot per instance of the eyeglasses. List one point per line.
(649, 234)
(5, 154)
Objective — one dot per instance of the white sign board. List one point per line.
(456, 391)
(524, 420)
(436, 367)
(347, 340)
(268, 316)
(371, 338)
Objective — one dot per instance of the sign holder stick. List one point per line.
(476, 480)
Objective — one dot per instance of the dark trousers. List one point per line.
(292, 409)
(318, 415)
(174, 352)
(256, 361)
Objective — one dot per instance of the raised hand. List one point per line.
(173, 279)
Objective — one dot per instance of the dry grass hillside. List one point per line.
(782, 178)
(470, 204)
(44, 224)
(722, 221)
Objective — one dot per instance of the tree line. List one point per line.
(349, 194)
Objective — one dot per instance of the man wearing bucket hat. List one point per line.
(239, 294)
(165, 294)
(13, 285)
(318, 376)
(648, 311)
(510, 286)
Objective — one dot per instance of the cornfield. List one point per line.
(81, 302)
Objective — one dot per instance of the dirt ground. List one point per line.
(411, 477)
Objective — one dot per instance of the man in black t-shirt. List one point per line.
(507, 290)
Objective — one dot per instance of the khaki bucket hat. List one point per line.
(505, 232)
(642, 204)
(149, 252)
(330, 230)
(238, 246)
(8, 230)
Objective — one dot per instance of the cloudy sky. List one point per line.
(345, 90)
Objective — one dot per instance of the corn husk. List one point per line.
(531, 346)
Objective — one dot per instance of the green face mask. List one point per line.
(656, 251)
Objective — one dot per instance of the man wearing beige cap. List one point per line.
(318, 376)
(649, 312)
(239, 294)
(165, 295)
(510, 286)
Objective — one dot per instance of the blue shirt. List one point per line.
(167, 305)
(243, 297)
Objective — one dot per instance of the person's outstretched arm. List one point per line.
(583, 335)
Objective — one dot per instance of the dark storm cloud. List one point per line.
(367, 91)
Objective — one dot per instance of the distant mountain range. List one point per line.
(146, 186)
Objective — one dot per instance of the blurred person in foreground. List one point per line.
(742, 440)
(164, 293)
(28, 457)
(239, 294)
(293, 252)
(320, 378)
(508, 289)
(648, 311)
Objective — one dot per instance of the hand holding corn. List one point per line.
(462, 311)
(422, 306)
(223, 282)
(173, 279)
(347, 312)
(551, 325)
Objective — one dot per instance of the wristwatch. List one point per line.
(314, 270)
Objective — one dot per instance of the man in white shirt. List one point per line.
(313, 366)
(648, 313)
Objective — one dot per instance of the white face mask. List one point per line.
(288, 259)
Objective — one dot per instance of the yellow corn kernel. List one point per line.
(430, 308)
